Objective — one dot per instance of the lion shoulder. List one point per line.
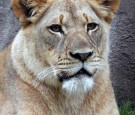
(3, 58)
(3, 75)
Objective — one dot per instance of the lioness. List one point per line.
(58, 62)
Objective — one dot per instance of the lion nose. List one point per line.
(81, 56)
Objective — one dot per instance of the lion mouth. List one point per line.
(63, 77)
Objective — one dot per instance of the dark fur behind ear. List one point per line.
(111, 4)
(28, 11)
(26, 8)
(106, 3)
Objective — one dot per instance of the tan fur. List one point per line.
(31, 69)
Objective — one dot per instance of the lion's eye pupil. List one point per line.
(56, 28)
(92, 26)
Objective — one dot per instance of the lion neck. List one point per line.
(74, 104)
(63, 102)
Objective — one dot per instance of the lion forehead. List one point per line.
(73, 9)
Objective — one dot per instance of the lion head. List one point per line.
(64, 43)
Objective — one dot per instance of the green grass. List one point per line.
(126, 109)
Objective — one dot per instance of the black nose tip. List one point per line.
(81, 56)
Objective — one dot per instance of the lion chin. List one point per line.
(77, 86)
(80, 82)
(58, 62)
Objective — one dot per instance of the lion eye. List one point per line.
(56, 28)
(92, 27)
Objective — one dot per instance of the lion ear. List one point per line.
(108, 6)
(113, 5)
(28, 11)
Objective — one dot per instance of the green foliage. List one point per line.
(126, 109)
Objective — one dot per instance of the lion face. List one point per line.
(67, 46)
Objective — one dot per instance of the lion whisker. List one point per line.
(45, 73)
